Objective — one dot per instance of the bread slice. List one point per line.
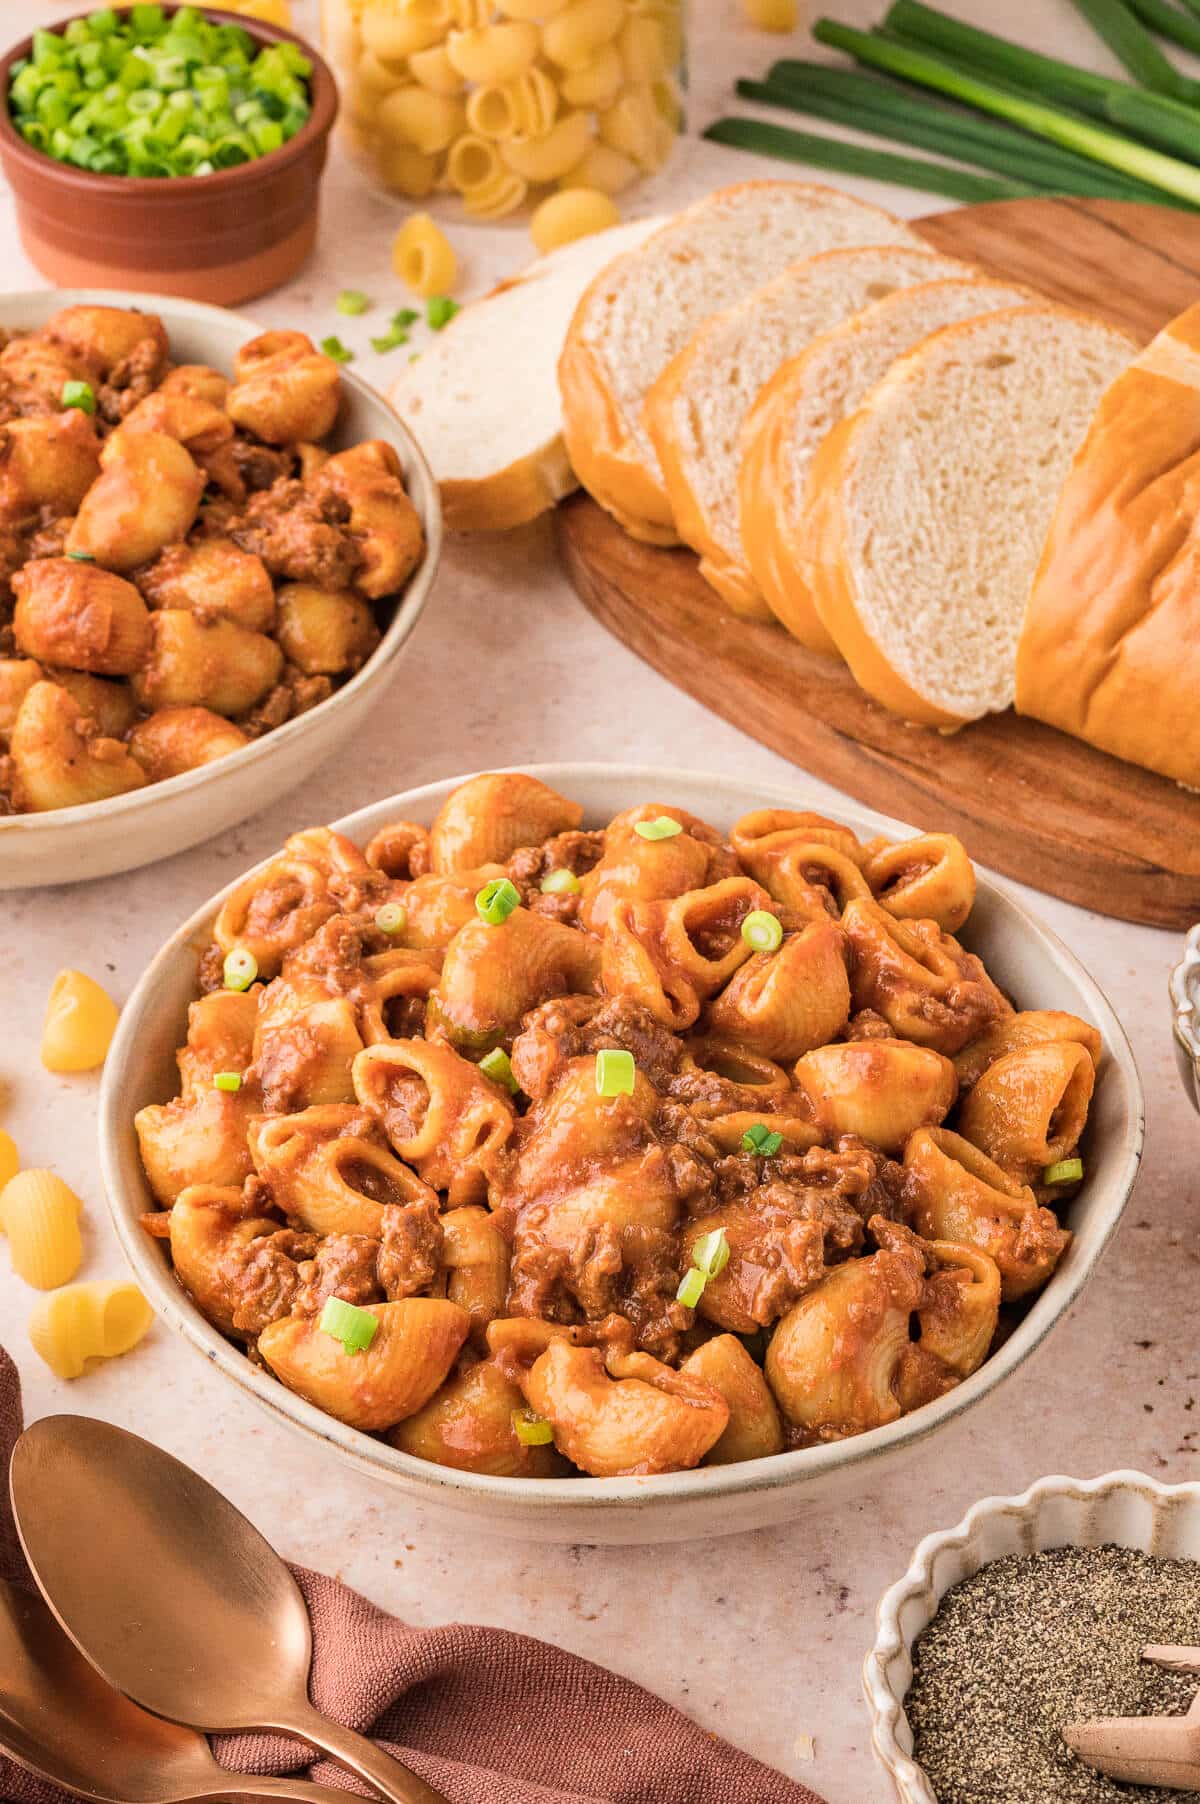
(1110, 646)
(929, 505)
(696, 410)
(803, 401)
(641, 312)
(483, 400)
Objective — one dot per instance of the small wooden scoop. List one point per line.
(1146, 1750)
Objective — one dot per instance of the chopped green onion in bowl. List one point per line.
(616, 1072)
(691, 1287)
(759, 1139)
(531, 1429)
(561, 883)
(761, 931)
(496, 901)
(140, 93)
(81, 557)
(356, 1328)
(391, 918)
(662, 828)
(80, 395)
(1067, 1171)
(229, 1081)
(240, 969)
(710, 1254)
(333, 347)
(498, 1066)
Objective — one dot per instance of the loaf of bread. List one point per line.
(928, 507)
(804, 401)
(641, 311)
(1110, 646)
(483, 401)
(696, 410)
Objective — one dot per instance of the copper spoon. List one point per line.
(174, 1597)
(1146, 1750)
(60, 1720)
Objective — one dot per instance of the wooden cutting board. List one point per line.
(1025, 799)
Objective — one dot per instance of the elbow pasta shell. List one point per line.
(642, 48)
(882, 1090)
(961, 1309)
(773, 15)
(40, 1215)
(393, 35)
(929, 878)
(10, 1164)
(961, 1195)
(87, 1322)
(536, 10)
(81, 1019)
(409, 171)
(632, 1414)
(754, 1430)
(1028, 1110)
(415, 1345)
(418, 117)
(547, 158)
(598, 83)
(1031, 1027)
(423, 257)
(434, 70)
(490, 817)
(573, 214)
(603, 169)
(493, 54)
(526, 107)
(630, 125)
(572, 37)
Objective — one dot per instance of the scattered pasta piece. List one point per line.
(85, 1323)
(10, 1164)
(81, 1019)
(423, 257)
(40, 1214)
(270, 12)
(773, 15)
(575, 213)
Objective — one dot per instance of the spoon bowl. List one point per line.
(187, 1610)
(59, 1719)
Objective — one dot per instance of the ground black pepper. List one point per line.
(1034, 1642)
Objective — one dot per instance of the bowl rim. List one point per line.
(885, 1704)
(1185, 996)
(580, 1494)
(116, 811)
(318, 125)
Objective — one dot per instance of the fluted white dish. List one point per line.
(97, 839)
(1023, 955)
(1125, 1509)
(1185, 999)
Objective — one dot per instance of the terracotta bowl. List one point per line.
(225, 237)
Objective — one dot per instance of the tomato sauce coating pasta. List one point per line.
(627, 1148)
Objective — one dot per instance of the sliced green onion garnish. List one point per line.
(530, 1429)
(81, 557)
(663, 828)
(710, 1254)
(80, 395)
(561, 883)
(1067, 1171)
(616, 1072)
(230, 1081)
(352, 301)
(496, 901)
(391, 918)
(404, 317)
(761, 931)
(759, 1139)
(439, 311)
(355, 1328)
(390, 340)
(498, 1066)
(333, 347)
(691, 1287)
(240, 969)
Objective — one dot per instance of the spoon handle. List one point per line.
(396, 1782)
(245, 1788)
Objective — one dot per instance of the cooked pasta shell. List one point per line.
(415, 1345)
(84, 1323)
(40, 1215)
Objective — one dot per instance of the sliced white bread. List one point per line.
(803, 401)
(929, 506)
(483, 401)
(640, 313)
(696, 410)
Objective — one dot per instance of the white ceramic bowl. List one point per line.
(1125, 1509)
(1025, 958)
(1185, 999)
(73, 844)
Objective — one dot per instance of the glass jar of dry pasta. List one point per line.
(505, 101)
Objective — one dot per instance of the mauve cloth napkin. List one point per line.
(487, 1717)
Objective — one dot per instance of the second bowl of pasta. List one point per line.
(216, 544)
(617, 1154)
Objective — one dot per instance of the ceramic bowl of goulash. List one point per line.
(612, 1154)
(214, 543)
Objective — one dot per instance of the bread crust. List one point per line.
(600, 450)
(512, 497)
(833, 591)
(769, 515)
(1110, 646)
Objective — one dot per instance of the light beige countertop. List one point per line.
(760, 1638)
